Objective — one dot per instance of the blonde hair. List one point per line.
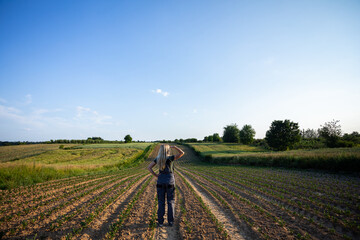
(163, 153)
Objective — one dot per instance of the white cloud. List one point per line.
(10, 112)
(159, 91)
(88, 114)
(195, 111)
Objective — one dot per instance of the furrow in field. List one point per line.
(228, 220)
(26, 207)
(62, 213)
(27, 220)
(99, 227)
(262, 198)
(199, 223)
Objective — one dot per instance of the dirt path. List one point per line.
(229, 225)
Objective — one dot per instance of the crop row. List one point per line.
(325, 209)
(252, 191)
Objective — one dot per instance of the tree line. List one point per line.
(284, 135)
(89, 140)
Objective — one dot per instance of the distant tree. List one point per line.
(331, 132)
(247, 134)
(231, 134)
(216, 137)
(128, 139)
(352, 137)
(210, 138)
(309, 134)
(282, 135)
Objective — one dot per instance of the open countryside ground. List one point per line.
(212, 202)
(334, 159)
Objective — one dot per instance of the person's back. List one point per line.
(165, 181)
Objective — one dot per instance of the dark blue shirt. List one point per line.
(167, 175)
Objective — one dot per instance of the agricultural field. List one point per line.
(212, 202)
(11, 153)
(21, 165)
(334, 159)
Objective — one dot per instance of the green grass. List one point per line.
(11, 153)
(89, 158)
(140, 146)
(334, 159)
(60, 163)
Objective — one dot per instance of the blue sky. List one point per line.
(175, 69)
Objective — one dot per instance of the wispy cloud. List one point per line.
(195, 110)
(88, 114)
(3, 100)
(159, 91)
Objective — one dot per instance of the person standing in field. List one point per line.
(165, 181)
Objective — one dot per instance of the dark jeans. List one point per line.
(168, 190)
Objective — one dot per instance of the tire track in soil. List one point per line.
(100, 225)
(197, 219)
(229, 224)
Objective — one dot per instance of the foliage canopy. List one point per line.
(282, 135)
(231, 134)
(247, 134)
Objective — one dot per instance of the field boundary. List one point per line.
(342, 162)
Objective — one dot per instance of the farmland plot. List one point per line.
(212, 202)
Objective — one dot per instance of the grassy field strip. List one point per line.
(55, 196)
(302, 203)
(218, 224)
(85, 222)
(102, 196)
(116, 227)
(11, 153)
(274, 199)
(336, 159)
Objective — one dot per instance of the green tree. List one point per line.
(216, 137)
(128, 139)
(282, 135)
(231, 134)
(247, 134)
(331, 132)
